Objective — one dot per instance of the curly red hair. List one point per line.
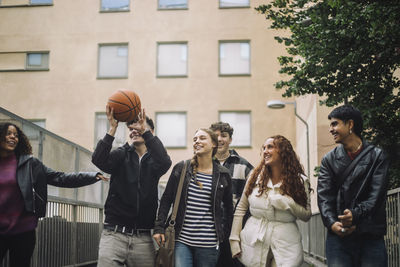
(292, 183)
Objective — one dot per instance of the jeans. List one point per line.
(355, 251)
(188, 256)
(118, 249)
(20, 247)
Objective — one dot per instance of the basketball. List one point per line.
(126, 105)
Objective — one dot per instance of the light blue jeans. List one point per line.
(118, 249)
(188, 256)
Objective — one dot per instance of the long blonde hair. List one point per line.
(194, 162)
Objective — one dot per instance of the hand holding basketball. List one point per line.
(140, 125)
(113, 122)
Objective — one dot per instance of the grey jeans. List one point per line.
(118, 249)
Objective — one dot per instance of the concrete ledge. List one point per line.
(314, 262)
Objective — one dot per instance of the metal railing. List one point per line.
(314, 232)
(69, 235)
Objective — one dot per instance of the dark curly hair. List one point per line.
(24, 146)
(292, 184)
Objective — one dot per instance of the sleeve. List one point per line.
(162, 161)
(68, 180)
(377, 190)
(284, 202)
(105, 159)
(167, 198)
(234, 238)
(327, 194)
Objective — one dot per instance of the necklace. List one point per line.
(358, 147)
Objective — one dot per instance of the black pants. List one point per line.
(20, 247)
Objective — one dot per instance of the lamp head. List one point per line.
(276, 104)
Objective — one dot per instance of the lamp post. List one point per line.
(277, 104)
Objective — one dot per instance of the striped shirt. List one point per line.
(198, 228)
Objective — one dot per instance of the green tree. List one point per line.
(346, 51)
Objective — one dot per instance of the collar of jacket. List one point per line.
(341, 153)
(23, 159)
(232, 154)
(217, 168)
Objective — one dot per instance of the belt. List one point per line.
(126, 230)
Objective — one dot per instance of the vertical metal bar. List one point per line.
(76, 169)
(40, 148)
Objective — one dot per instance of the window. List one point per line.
(171, 128)
(114, 5)
(31, 132)
(234, 58)
(24, 61)
(37, 61)
(172, 4)
(172, 59)
(241, 124)
(102, 126)
(41, 2)
(24, 3)
(113, 61)
(234, 3)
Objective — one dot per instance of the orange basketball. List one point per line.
(126, 105)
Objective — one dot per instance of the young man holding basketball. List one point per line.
(132, 200)
(239, 169)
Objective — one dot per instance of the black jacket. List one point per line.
(132, 199)
(33, 177)
(221, 197)
(363, 192)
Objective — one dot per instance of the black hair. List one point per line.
(148, 121)
(222, 127)
(23, 146)
(346, 113)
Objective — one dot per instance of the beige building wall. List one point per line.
(69, 94)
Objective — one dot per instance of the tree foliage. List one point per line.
(346, 51)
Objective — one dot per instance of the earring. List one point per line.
(351, 131)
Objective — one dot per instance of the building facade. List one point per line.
(191, 62)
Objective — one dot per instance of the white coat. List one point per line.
(271, 226)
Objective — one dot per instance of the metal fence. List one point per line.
(314, 232)
(69, 234)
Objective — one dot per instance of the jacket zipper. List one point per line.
(215, 199)
(33, 190)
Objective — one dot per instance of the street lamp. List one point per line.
(277, 104)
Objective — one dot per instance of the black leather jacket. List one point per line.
(33, 177)
(132, 199)
(221, 198)
(363, 191)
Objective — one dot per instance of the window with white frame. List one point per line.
(114, 5)
(102, 126)
(171, 128)
(172, 59)
(240, 121)
(234, 58)
(234, 3)
(37, 61)
(172, 4)
(113, 61)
